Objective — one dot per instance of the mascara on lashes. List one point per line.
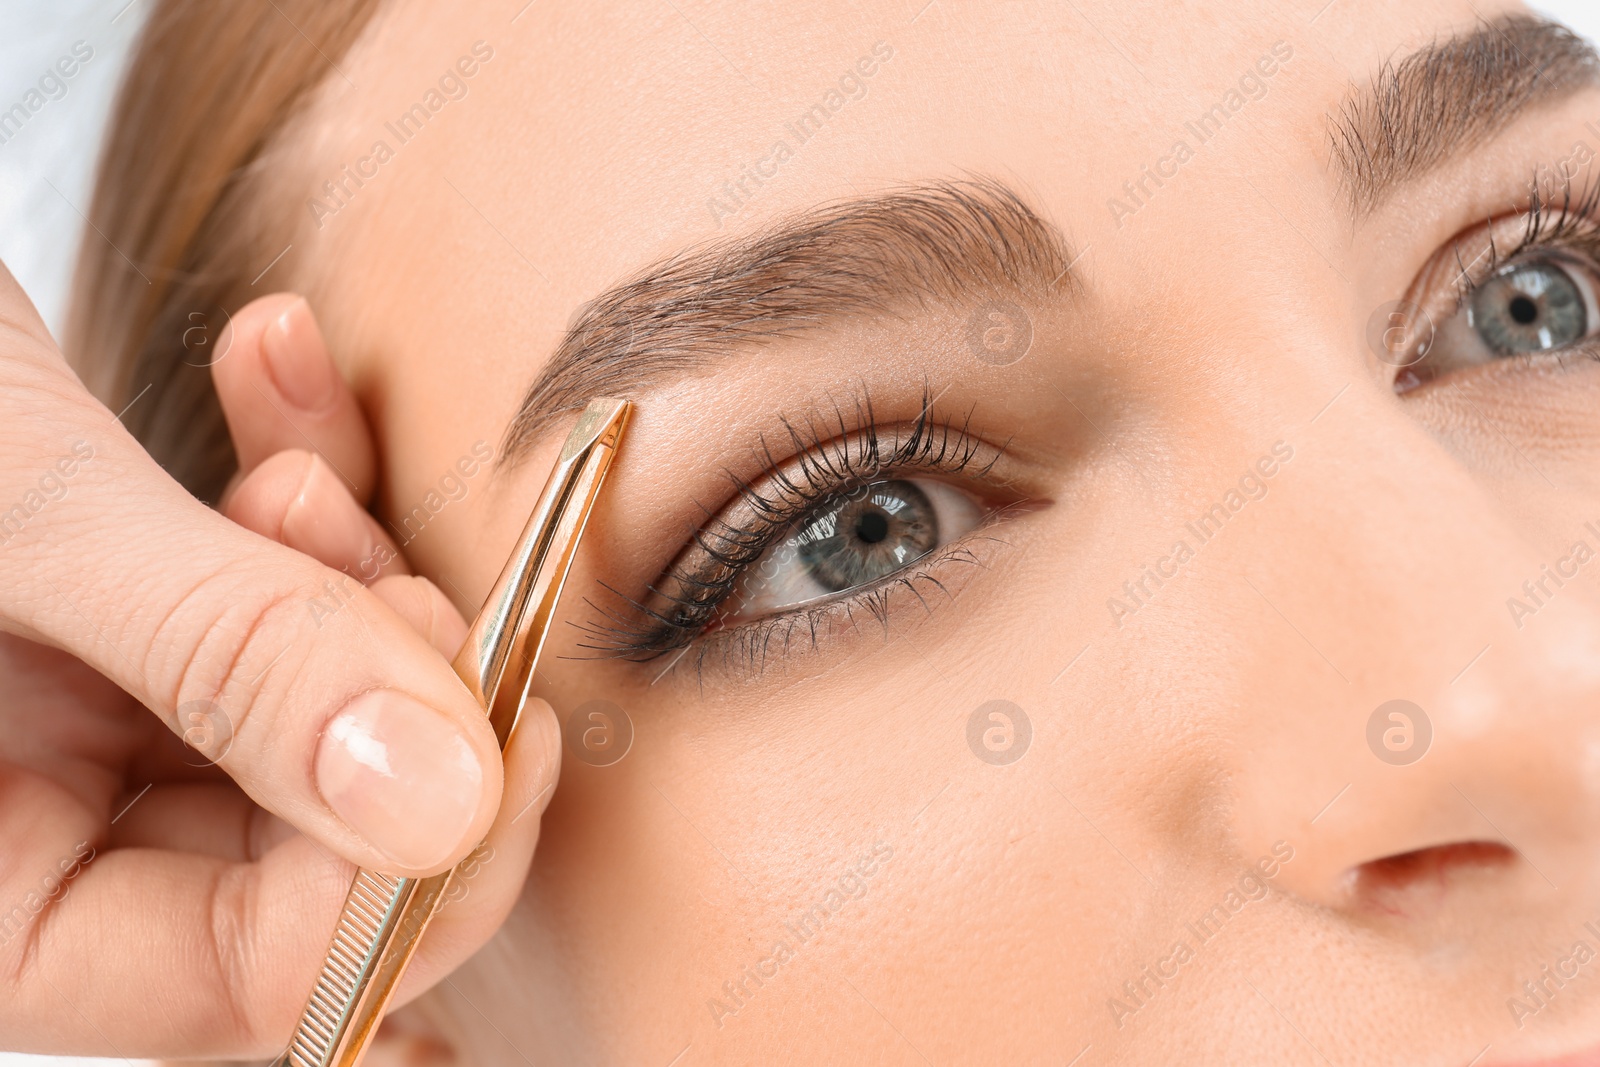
(846, 454)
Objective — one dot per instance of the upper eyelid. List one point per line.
(1553, 217)
(1548, 218)
(778, 473)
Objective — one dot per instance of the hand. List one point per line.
(149, 903)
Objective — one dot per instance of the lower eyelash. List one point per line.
(683, 605)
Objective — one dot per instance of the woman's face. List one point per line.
(1003, 592)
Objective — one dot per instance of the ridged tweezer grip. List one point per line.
(373, 906)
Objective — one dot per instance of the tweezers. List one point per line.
(384, 917)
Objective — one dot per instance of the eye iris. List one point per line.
(874, 531)
(1529, 308)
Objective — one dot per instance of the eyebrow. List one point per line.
(952, 241)
(1450, 96)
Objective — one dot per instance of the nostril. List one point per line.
(1413, 883)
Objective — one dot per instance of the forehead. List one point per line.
(598, 136)
(476, 173)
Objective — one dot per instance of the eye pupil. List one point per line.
(1524, 310)
(872, 527)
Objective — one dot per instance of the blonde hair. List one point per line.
(182, 222)
(178, 229)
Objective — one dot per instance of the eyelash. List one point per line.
(1573, 228)
(848, 451)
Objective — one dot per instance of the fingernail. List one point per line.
(297, 359)
(400, 775)
(324, 523)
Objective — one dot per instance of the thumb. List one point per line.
(328, 709)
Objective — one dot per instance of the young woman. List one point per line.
(1100, 571)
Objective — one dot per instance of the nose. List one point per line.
(1429, 690)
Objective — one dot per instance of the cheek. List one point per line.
(729, 826)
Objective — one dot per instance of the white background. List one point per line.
(45, 170)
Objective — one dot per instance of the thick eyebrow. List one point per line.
(953, 241)
(1449, 97)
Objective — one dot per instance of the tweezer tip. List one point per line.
(600, 424)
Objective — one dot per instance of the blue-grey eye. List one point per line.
(854, 539)
(1529, 307)
(859, 537)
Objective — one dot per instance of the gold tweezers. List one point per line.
(384, 917)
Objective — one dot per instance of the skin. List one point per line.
(1173, 749)
(1170, 752)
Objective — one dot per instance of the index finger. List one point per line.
(344, 721)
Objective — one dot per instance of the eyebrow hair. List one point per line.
(1450, 96)
(948, 241)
